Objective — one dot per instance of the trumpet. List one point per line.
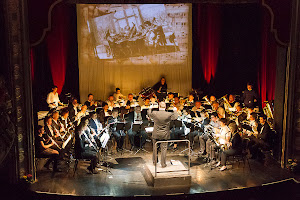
(206, 99)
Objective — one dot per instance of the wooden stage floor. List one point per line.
(127, 177)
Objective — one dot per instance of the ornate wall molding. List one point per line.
(272, 29)
(48, 28)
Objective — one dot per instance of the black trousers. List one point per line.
(91, 155)
(225, 154)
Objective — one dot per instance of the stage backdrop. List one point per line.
(131, 46)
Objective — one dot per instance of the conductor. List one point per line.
(161, 130)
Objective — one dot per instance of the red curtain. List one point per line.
(267, 72)
(57, 43)
(209, 23)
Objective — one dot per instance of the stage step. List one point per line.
(169, 176)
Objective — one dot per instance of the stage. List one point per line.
(127, 176)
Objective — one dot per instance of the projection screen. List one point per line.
(131, 46)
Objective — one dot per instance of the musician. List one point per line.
(130, 101)
(110, 102)
(82, 113)
(232, 103)
(146, 104)
(198, 107)
(218, 109)
(222, 138)
(249, 96)
(118, 134)
(104, 113)
(136, 118)
(118, 95)
(73, 109)
(51, 132)
(153, 102)
(161, 89)
(56, 123)
(263, 140)
(43, 149)
(215, 123)
(161, 129)
(85, 147)
(190, 100)
(53, 99)
(212, 99)
(65, 120)
(253, 125)
(235, 146)
(170, 98)
(90, 103)
(95, 126)
(177, 104)
(241, 115)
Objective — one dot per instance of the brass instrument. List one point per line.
(206, 99)
(226, 101)
(269, 113)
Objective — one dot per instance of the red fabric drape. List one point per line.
(267, 72)
(209, 22)
(57, 43)
(32, 63)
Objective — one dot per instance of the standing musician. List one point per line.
(218, 109)
(53, 99)
(136, 118)
(43, 148)
(161, 89)
(249, 96)
(90, 103)
(161, 130)
(118, 95)
(118, 134)
(85, 146)
(221, 139)
(215, 123)
(235, 146)
(73, 109)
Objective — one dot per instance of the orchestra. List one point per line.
(218, 123)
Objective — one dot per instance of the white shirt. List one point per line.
(53, 98)
(224, 135)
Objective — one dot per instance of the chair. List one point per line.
(243, 155)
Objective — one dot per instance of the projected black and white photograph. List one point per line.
(139, 30)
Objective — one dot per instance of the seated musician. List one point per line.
(51, 132)
(218, 109)
(198, 107)
(249, 96)
(241, 115)
(190, 100)
(215, 123)
(56, 123)
(235, 146)
(131, 102)
(253, 125)
(263, 139)
(43, 149)
(221, 139)
(146, 104)
(161, 89)
(104, 113)
(170, 98)
(212, 99)
(85, 146)
(53, 99)
(118, 95)
(136, 118)
(232, 103)
(90, 103)
(65, 120)
(177, 104)
(118, 134)
(111, 103)
(73, 109)
(153, 102)
(249, 111)
(82, 113)
(95, 126)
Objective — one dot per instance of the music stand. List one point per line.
(139, 127)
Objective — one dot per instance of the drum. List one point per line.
(147, 92)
